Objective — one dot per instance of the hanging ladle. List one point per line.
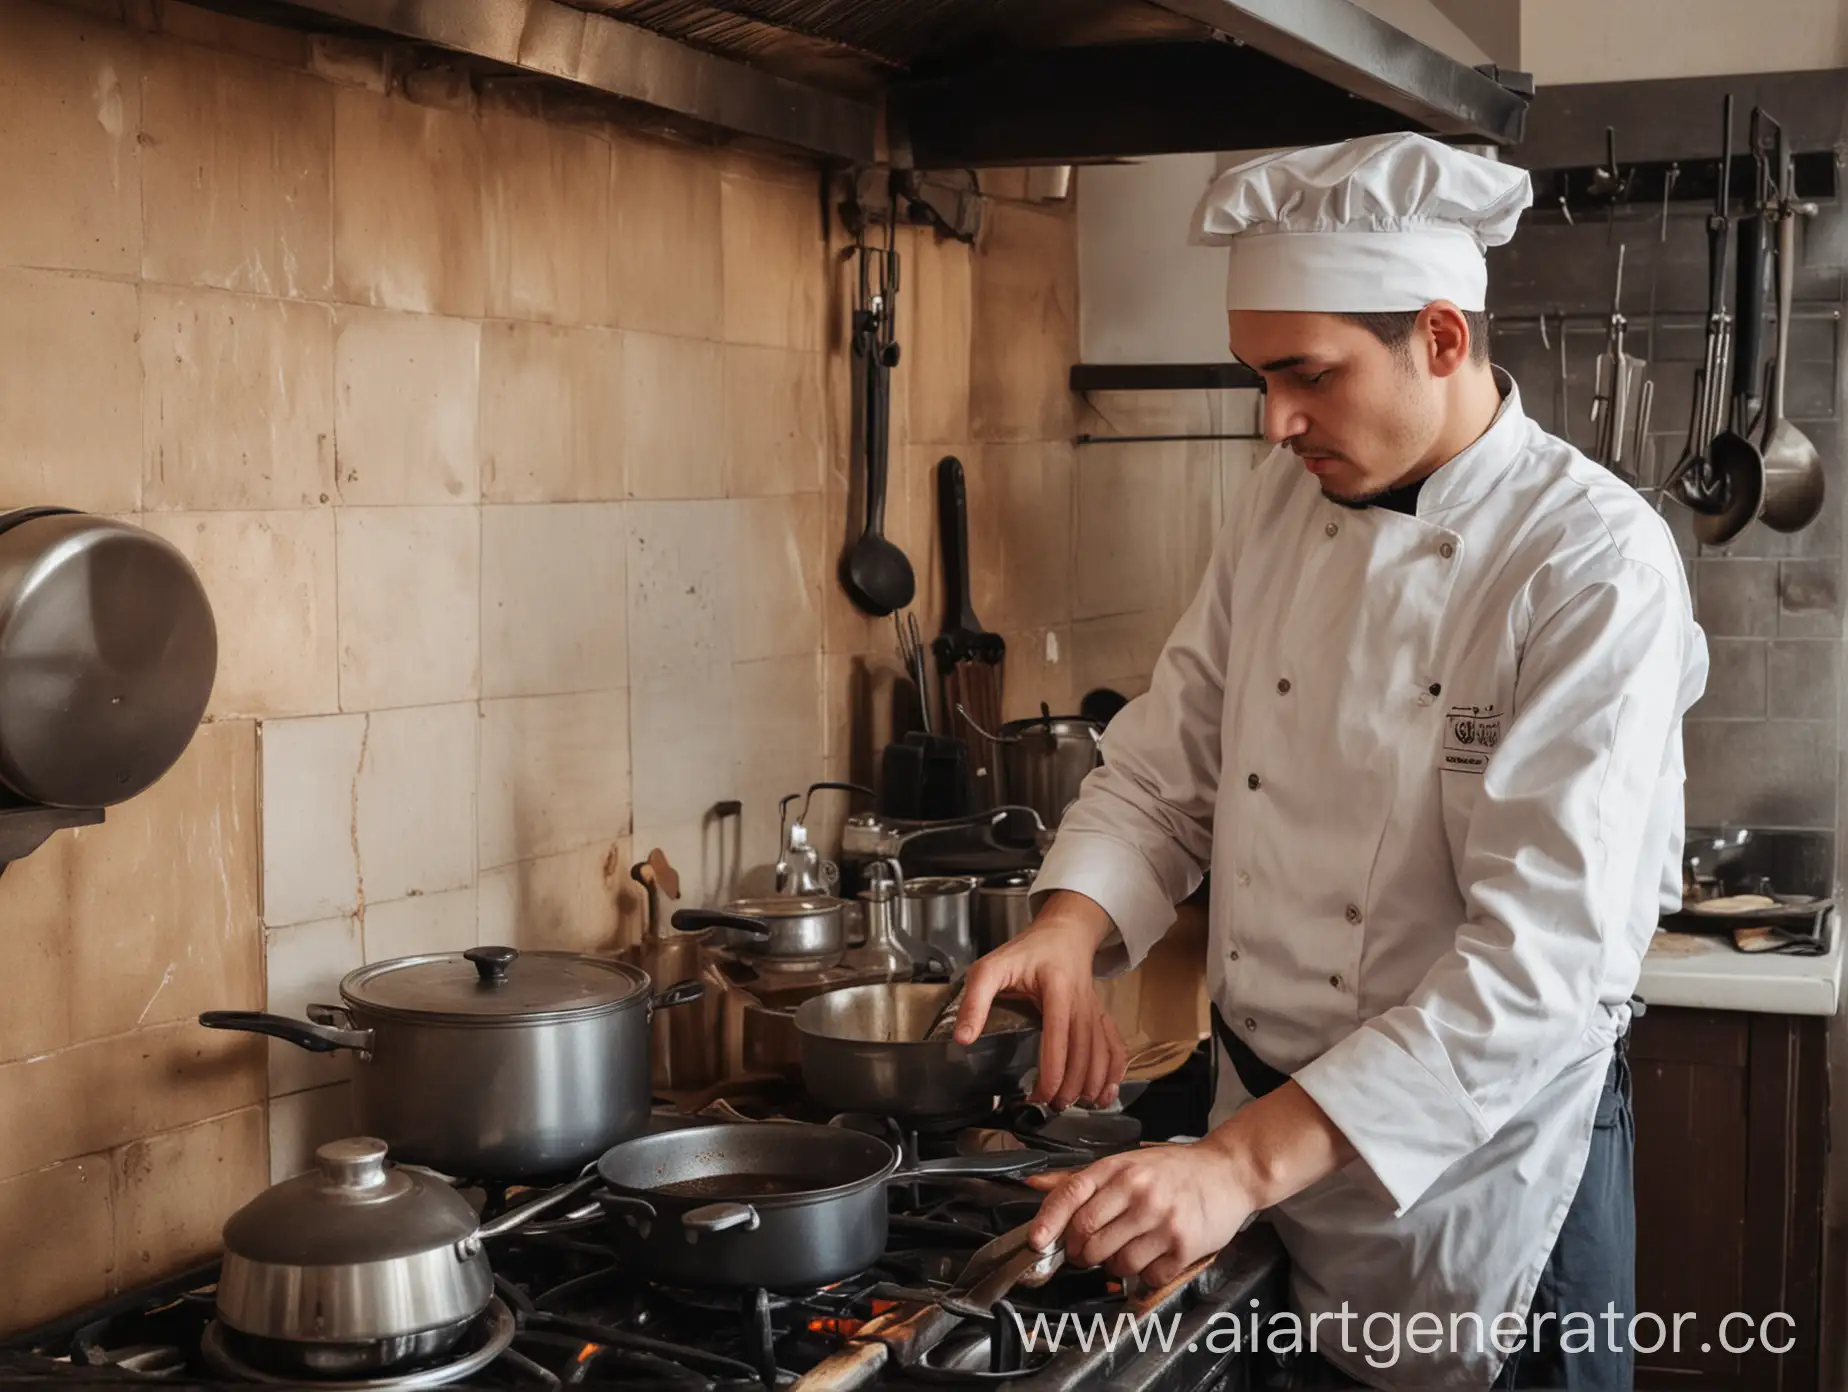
(1792, 465)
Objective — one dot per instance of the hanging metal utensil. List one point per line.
(1793, 467)
(1692, 481)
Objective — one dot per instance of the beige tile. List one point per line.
(939, 310)
(35, 903)
(684, 733)
(775, 264)
(415, 811)
(553, 598)
(1118, 652)
(581, 901)
(1039, 670)
(545, 217)
(776, 421)
(407, 206)
(673, 432)
(406, 403)
(59, 1224)
(554, 774)
(164, 1224)
(302, 1121)
(1025, 335)
(163, 894)
(666, 265)
(1030, 504)
(779, 559)
(780, 744)
(310, 844)
(303, 966)
(551, 414)
(237, 401)
(235, 174)
(213, 30)
(1125, 500)
(106, 1093)
(72, 90)
(410, 606)
(683, 567)
(423, 923)
(70, 389)
(270, 578)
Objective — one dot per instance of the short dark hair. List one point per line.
(1395, 330)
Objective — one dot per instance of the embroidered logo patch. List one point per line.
(1470, 736)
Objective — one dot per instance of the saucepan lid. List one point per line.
(494, 985)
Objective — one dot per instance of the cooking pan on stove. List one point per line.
(782, 1206)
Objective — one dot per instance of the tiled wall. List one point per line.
(513, 455)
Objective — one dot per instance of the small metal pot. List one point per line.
(782, 1206)
(864, 1050)
(781, 931)
(939, 911)
(356, 1267)
(490, 1063)
(1002, 909)
(1044, 761)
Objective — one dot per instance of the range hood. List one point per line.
(964, 84)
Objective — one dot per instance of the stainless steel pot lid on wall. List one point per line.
(108, 651)
(486, 985)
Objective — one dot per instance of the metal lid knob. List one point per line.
(491, 963)
(356, 1163)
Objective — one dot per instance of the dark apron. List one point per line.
(1593, 1262)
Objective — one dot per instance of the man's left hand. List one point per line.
(1149, 1213)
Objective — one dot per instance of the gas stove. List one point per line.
(569, 1313)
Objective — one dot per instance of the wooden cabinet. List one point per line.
(1732, 1134)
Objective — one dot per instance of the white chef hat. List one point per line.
(1375, 225)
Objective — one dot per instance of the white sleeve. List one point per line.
(1549, 874)
(1140, 836)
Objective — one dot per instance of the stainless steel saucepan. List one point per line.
(779, 930)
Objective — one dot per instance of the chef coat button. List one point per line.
(1250, 1023)
(1232, 955)
(1253, 782)
(1446, 550)
(1335, 981)
(1283, 686)
(1437, 688)
(1244, 879)
(1332, 528)
(1353, 913)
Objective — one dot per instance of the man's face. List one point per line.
(1360, 416)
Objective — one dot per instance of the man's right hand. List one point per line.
(1081, 1052)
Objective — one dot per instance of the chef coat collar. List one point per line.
(1472, 473)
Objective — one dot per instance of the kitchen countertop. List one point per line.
(1708, 973)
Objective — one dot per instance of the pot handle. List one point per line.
(1016, 1162)
(319, 1039)
(623, 1203)
(680, 993)
(719, 1217)
(515, 1218)
(690, 920)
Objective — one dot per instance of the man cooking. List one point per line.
(1422, 725)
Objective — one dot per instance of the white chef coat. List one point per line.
(1434, 764)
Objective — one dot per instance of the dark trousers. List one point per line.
(1592, 1266)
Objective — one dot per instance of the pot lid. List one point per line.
(353, 1207)
(494, 985)
(785, 906)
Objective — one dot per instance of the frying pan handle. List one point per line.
(318, 1039)
(680, 993)
(1016, 1162)
(691, 920)
(719, 1217)
(1750, 323)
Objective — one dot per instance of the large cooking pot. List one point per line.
(108, 650)
(489, 1063)
(1044, 762)
(778, 930)
(785, 1206)
(863, 1050)
(356, 1267)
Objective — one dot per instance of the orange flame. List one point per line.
(588, 1352)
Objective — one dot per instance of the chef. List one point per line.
(1421, 724)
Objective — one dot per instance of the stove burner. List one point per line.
(486, 1341)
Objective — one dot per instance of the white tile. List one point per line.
(777, 722)
(683, 730)
(410, 606)
(415, 812)
(554, 608)
(554, 774)
(682, 583)
(310, 767)
(581, 901)
(304, 965)
(405, 407)
(673, 416)
(303, 1121)
(421, 924)
(777, 573)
